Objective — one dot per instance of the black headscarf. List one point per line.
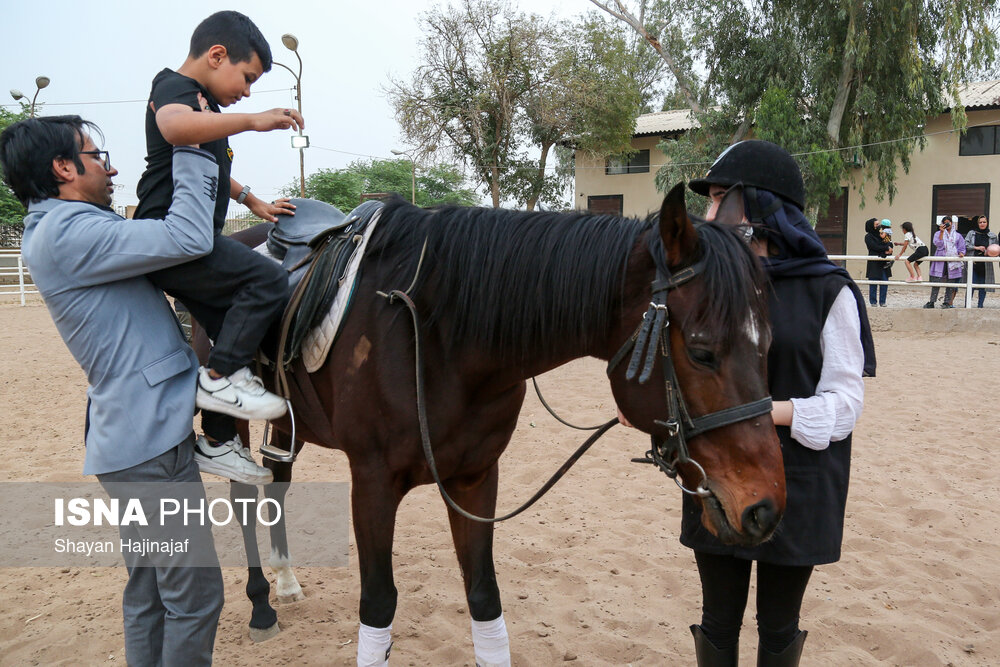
(982, 237)
(800, 253)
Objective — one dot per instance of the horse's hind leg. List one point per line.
(288, 588)
(474, 547)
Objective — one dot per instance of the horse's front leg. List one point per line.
(477, 494)
(263, 618)
(374, 502)
(288, 588)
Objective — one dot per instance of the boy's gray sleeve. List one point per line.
(107, 248)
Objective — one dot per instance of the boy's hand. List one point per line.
(278, 119)
(269, 212)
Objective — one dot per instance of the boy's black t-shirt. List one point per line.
(156, 186)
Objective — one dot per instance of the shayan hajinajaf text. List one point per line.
(142, 547)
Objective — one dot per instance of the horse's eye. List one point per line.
(702, 357)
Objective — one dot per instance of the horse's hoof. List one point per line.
(292, 597)
(258, 635)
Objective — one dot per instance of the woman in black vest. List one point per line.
(821, 347)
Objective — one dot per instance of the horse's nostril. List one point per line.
(760, 519)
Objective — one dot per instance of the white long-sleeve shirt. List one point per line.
(830, 415)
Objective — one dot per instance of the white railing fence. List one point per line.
(966, 283)
(12, 264)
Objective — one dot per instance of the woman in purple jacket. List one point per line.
(947, 243)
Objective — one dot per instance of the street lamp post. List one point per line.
(300, 141)
(413, 175)
(40, 82)
(413, 169)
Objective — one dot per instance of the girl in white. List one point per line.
(911, 240)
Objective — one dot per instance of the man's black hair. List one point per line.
(234, 31)
(28, 147)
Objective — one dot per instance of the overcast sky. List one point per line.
(102, 56)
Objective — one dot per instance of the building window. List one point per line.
(980, 141)
(637, 164)
(605, 204)
(962, 201)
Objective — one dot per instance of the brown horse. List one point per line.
(502, 296)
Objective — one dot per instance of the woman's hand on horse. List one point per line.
(622, 420)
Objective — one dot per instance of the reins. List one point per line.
(425, 436)
(649, 341)
(652, 337)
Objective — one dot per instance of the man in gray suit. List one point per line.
(89, 265)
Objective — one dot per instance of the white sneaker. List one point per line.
(241, 395)
(230, 459)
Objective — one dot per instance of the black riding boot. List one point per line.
(787, 658)
(708, 655)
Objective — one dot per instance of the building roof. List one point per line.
(980, 94)
(665, 122)
(974, 95)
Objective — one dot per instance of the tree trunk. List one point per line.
(537, 186)
(839, 107)
(495, 185)
(742, 130)
(624, 15)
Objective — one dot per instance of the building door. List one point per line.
(832, 227)
(605, 204)
(962, 201)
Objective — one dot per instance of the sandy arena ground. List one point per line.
(594, 574)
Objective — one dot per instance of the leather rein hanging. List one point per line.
(650, 340)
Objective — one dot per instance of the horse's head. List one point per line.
(694, 373)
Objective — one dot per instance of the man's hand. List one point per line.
(278, 119)
(269, 212)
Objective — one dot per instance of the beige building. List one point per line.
(954, 174)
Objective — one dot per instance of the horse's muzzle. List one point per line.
(760, 520)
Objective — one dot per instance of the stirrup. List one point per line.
(276, 453)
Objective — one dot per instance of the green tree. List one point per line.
(438, 184)
(502, 89)
(480, 59)
(598, 78)
(11, 210)
(818, 76)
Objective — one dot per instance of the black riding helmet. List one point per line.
(760, 164)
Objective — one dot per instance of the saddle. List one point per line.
(321, 248)
(316, 246)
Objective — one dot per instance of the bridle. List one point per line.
(650, 340)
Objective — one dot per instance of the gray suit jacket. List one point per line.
(89, 265)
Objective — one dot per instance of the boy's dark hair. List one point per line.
(234, 31)
(28, 147)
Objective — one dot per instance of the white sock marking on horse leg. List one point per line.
(288, 588)
(374, 645)
(492, 646)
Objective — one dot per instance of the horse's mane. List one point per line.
(516, 283)
(523, 284)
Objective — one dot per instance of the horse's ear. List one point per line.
(680, 240)
(731, 210)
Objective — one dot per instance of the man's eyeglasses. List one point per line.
(106, 154)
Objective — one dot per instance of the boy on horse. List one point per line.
(234, 292)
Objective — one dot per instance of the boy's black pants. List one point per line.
(235, 294)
